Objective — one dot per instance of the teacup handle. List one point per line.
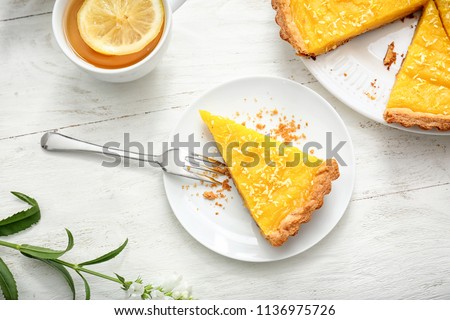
(175, 4)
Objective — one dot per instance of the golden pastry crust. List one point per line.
(288, 29)
(326, 173)
(408, 118)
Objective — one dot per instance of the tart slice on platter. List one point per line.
(421, 93)
(314, 27)
(280, 185)
(444, 11)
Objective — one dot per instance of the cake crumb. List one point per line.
(259, 115)
(345, 74)
(210, 195)
(371, 97)
(286, 131)
(374, 83)
(391, 56)
(225, 185)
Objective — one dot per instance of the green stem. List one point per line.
(64, 263)
(10, 245)
(82, 269)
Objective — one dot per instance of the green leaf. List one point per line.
(63, 272)
(25, 198)
(7, 283)
(87, 289)
(45, 253)
(21, 220)
(121, 279)
(106, 257)
(70, 242)
(57, 266)
(125, 284)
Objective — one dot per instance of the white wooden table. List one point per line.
(393, 241)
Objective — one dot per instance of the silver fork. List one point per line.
(194, 166)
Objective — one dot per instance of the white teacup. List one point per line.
(133, 72)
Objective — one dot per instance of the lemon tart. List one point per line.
(314, 27)
(421, 93)
(279, 191)
(444, 10)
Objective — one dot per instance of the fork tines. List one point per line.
(211, 169)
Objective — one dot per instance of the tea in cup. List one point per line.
(113, 40)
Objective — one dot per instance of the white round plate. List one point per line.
(232, 232)
(348, 71)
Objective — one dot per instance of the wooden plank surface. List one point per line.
(22, 9)
(393, 241)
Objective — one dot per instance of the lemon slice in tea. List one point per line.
(117, 27)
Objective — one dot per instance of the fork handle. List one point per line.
(53, 141)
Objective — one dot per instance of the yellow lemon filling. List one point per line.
(325, 24)
(423, 83)
(271, 190)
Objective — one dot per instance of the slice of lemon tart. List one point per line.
(280, 185)
(421, 93)
(314, 27)
(444, 10)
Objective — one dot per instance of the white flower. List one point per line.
(182, 291)
(158, 295)
(170, 283)
(135, 290)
